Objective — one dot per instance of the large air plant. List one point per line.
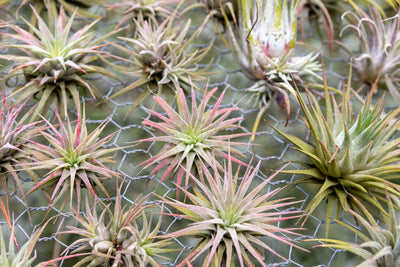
(126, 238)
(160, 58)
(229, 218)
(192, 135)
(56, 62)
(352, 159)
(379, 57)
(263, 45)
(75, 159)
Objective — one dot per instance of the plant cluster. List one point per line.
(349, 164)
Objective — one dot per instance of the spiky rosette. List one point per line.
(326, 13)
(74, 159)
(353, 158)
(56, 62)
(15, 256)
(161, 58)
(14, 133)
(379, 246)
(148, 9)
(191, 135)
(380, 53)
(229, 218)
(71, 6)
(263, 45)
(119, 241)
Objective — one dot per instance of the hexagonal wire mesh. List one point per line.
(271, 149)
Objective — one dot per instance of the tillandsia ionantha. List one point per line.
(148, 9)
(379, 246)
(192, 135)
(14, 133)
(379, 57)
(264, 48)
(327, 12)
(126, 239)
(215, 7)
(71, 6)
(15, 256)
(74, 159)
(229, 218)
(160, 58)
(353, 158)
(56, 62)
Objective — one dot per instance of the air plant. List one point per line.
(71, 6)
(327, 12)
(19, 257)
(14, 133)
(75, 159)
(160, 58)
(192, 135)
(56, 62)
(379, 42)
(148, 9)
(216, 8)
(119, 241)
(229, 218)
(264, 48)
(353, 158)
(379, 246)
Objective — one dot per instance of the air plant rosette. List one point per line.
(75, 159)
(56, 61)
(15, 132)
(193, 135)
(127, 238)
(229, 218)
(158, 10)
(16, 256)
(378, 59)
(264, 49)
(328, 13)
(71, 6)
(379, 243)
(352, 159)
(159, 56)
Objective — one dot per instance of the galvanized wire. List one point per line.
(271, 149)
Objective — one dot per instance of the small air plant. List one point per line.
(19, 257)
(380, 54)
(14, 133)
(74, 159)
(353, 158)
(264, 48)
(148, 9)
(379, 246)
(216, 10)
(161, 58)
(122, 241)
(327, 13)
(192, 136)
(71, 6)
(56, 62)
(229, 218)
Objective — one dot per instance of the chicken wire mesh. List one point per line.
(269, 148)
